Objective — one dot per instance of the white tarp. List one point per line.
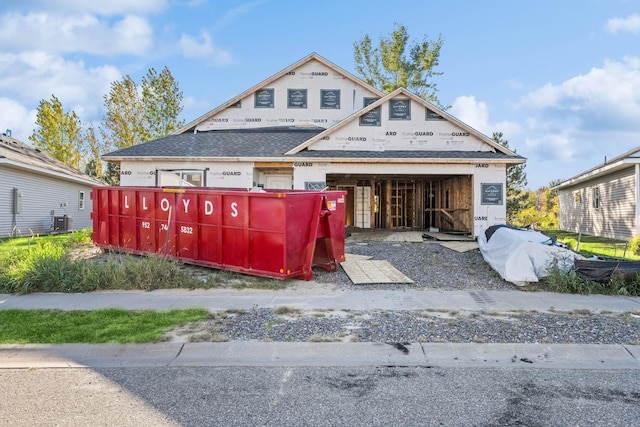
(522, 256)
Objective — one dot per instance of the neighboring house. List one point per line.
(603, 201)
(38, 194)
(403, 162)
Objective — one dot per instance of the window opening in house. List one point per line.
(330, 98)
(596, 197)
(181, 177)
(296, 98)
(193, 178)
(315, 185)
(264, 98)
(81, 200)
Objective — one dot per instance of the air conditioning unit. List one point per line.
(62, 223)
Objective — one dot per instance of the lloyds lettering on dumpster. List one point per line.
(165, 205)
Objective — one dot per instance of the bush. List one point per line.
(634, 245)
(569, 282)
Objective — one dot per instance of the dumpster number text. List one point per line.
(146, 224)
(186, 230)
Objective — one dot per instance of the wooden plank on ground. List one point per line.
(373, 271)
(405, 236)
(460, 246)
(448, 237)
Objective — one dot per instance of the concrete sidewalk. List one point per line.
(308, 296)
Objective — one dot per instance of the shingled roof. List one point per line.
(247, 143)
(273, 143)
(19, 154)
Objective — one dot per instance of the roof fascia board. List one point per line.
(270, 80)
(601, 169)
(371, 160)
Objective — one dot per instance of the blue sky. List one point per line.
(560, 79)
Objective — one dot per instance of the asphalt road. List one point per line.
(319, 396)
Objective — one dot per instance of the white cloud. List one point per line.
(17, 118)
(30, 77)
(476, 114)
(573, 125)
(605, 98)
(130, 35)
(629, 24)
(203, 47)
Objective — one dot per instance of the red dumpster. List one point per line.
(272, 233)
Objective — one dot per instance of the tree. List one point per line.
(518, 198)
(388, 66)
(162, 103)
(123, 124)
(139, 113)
(59, 133)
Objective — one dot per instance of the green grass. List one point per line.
(91, 327)
(590, 246)
(45, 264)
(11, 246)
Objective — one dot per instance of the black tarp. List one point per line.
(604, 271)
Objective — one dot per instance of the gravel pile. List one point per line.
(428, 264)
(264, 324)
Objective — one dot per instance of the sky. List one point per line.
(559, 78)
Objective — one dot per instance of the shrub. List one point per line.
(634, 245)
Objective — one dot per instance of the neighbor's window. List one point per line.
(577, 197)
(596, 197)
(81, 200)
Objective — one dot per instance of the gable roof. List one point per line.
(20, 155)
(628, 159)
(405, 93)
(313, 56)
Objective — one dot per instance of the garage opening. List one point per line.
(416, 203)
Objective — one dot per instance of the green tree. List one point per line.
(389, 66)
(123, 124)
(518, 198)
(139, 113)
(58, 133)
(162, 103)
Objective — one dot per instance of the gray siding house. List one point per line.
(40, 195)
(603, 201)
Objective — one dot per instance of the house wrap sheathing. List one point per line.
(404, 163)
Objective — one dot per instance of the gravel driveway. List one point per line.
(428, 264)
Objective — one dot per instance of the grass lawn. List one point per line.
(91, 326)
(16, 244)
(589, 246)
